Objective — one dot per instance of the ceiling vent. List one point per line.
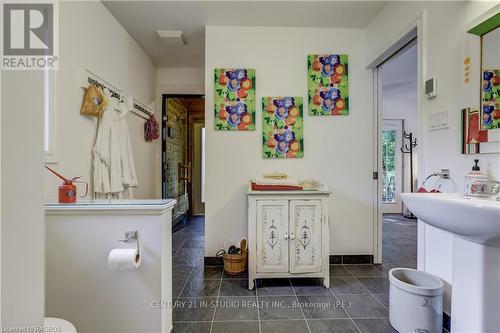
(171, 37)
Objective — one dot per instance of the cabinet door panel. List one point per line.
(272, 236)
(305, 235)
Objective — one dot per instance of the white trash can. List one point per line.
(415, 301)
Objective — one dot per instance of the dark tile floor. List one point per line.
(399, 240)
(207, 300)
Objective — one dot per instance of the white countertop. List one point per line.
(112, 205)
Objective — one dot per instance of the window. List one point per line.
(48, 117)
(389, 165)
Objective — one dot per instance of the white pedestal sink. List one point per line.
(475, 223)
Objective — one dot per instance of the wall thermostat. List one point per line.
(431, 88)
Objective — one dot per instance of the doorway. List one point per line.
(399, 121)
(397, 96)
(182, 154)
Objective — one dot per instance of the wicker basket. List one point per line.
(235, 264)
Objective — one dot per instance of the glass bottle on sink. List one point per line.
(476, 183)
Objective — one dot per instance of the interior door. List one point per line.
(392, 166)
(305, 236)
(272, 236)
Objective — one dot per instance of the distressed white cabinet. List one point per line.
(288, 235)
(305, 236)
(272, 233)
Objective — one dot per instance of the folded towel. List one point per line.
(309, 184)
(275, 175)
(281, 182)
(256, 187)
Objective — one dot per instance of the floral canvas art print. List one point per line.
(490, 115)
(234, 98)
(282, 127)
(328, 84)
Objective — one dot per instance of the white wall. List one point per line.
(180, 77)
(103, 46)
(402, 109)
(338, 150)
(443, 54)
(22, 280)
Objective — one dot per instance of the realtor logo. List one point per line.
(29, 36)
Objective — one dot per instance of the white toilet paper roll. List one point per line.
(124, 259)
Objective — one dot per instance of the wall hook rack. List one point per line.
(89, 77)
(141, 110)
(138, 108)
(408, 149)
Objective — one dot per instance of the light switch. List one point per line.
(438, 121)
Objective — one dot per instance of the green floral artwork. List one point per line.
(283, 127)
(234, 99)
(328, 84)
(490, 117)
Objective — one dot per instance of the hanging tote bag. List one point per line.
(94, 102)
(151, 129)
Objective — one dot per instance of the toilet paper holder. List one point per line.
(131, 236)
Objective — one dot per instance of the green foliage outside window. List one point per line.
(388, 165)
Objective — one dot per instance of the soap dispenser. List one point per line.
(476, 183)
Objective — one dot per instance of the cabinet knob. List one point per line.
(286, 235)
(292, 236)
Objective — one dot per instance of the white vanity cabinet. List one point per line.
(288, 234)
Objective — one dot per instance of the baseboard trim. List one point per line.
(334, 260)
(214, 261)
(354, 259)
(179, 222)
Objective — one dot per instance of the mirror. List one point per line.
(481, 128)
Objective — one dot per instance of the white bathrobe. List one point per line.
(129, 176)
(114, 169)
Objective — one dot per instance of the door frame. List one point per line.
(162, 148)
(196, 174)
(414, 31)
(161, 100)
(400, 165)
